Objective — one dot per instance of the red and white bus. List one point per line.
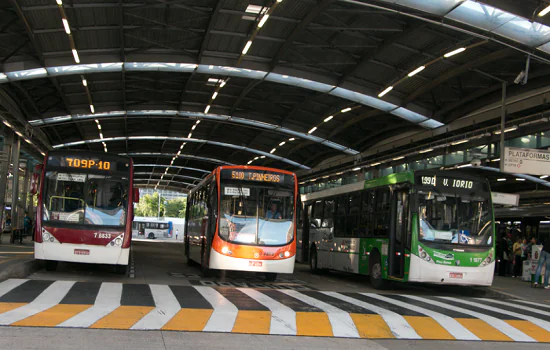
(85, 209)
(243, 218)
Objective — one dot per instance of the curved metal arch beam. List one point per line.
(172, 175)
(173, 166)
(184, 139)
(347, 91)
(171, 188)
(171, 155)
(193, 116)
(522, 31)
(170, 181)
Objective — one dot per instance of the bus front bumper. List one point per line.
(88, 254)
(423, 271)
(223, 262)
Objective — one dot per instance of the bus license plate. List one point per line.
(255, 263)
(81, 252)
(456, 275)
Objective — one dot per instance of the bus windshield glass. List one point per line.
(85, 199)
(257, 213)
(459, 216)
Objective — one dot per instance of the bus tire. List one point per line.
(121, 269)
(313, 260)
(375, 272)
(51, 265)
(270, 276)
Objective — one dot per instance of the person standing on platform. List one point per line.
(544, 260)
(177, 233)
(517, 258)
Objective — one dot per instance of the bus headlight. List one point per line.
(118, 241)
(226, 251)
(287, 254)
(423, 255)
(457, 263)
(46, 237)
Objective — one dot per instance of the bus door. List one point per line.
(398, 232)
(307, 240)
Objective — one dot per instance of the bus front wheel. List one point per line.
(375, 273)
(270, 276)
(51, 265)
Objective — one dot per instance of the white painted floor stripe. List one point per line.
(107, 300)
(167, 306)
(541, 323)
(8, 285)
(448, 323)
(225, 313)
(397, 324)
(50, 297)
(544, 306)
(520, 307)
(283, 318)
(341, 322)
(493, 321)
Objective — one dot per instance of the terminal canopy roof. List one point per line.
(184, 86)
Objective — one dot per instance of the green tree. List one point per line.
(175, 208)
(149, 204)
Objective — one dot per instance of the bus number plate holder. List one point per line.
(458, 275)
(81, 252)
(255, 263)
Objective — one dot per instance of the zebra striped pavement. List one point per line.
(40, 303)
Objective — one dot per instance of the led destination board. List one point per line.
(446, 182)
(256, 176)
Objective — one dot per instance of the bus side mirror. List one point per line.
(135, 195)
(35, 180)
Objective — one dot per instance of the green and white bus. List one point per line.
(427, 226)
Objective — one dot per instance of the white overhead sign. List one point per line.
(526, 161)
(505, 198)
(237, 191)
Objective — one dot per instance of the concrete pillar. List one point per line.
(5, 160)
(15, 148)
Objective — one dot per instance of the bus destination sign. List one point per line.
(85, 163)
(450, 183)
(256, 176)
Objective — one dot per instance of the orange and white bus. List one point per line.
(242, 218)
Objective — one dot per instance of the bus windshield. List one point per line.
(257, 214)
(450, 217)
(85, 199)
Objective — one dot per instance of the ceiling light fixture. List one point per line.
(272, 151)
(66, 25)
(544, 176)
(222, 84)
(426, 150)
(459, 142)
(544, 12)
(327, 119)
(246, 47)
(92, 109)
(519, 179)
(512, 128)
(84, 82)
(291, 139)
(375, 164)
(99, 126)
(356, 169)
(416, 71)
(398, 158)
(214, 95)
(454, 52)
(7, 124)
(500, 180)
(59, 2)
(282, 143)
(388, 89)
(189, 135)
(75, 55)
(496, 160)
(206, 109)
(263, 20)
(312, 130)
(345, 110)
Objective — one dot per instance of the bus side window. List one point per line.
(317, 215)
(341, 211)
(382, 212)
(353, 213)
(366, 221)
(328, 214)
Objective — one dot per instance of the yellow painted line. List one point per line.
(482, 329)
(538, 333)
(428, 328)
(252, 322)
(53, 316)
(123, 317)
(9, 259)
(372, 326)
(5, 307)
(313, 324)
(193, 320)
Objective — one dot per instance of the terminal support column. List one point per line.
(4, 168)
(502, 125)
(15, 147)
